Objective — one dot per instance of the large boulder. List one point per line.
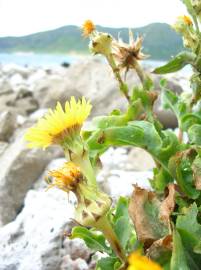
(20, 168)
(90, 78)
(7, 125)
(34, 241)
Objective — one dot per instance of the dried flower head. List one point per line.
(88, 27)
(58, 124)
(138, 262)
(125, 54)
(66, 178)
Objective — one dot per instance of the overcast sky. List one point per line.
(22, 17)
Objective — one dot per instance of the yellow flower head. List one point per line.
(187, 20)
(87, 28)
(66, 178)
(57, 124)
(139, 262)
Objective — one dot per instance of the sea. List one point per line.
(50, 60)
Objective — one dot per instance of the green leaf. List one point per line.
(178, 260)
(161, 179)
(123, 230)
(171, 101)
(122, 225)
(190, 232)
(180, 167)
(121, 209)
(93, 240)
(108, 263)
(177, 63)
(194, 134)
(189, 120)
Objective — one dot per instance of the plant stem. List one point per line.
(180, 135)
(86, 168)
(123, 87)
(105, 227)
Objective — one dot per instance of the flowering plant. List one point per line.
(154, 229)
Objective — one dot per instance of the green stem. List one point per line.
(105, 227)
(85, 165)
(123, 86)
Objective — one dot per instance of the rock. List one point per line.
(7, 125)
(34, 240)
(5, 87)
(120, 183)
(76, 249)
(95, 83)
(3, 146)
(130, 159)
(69, 264)
(26, 105)
(13, 103)
(37, 114)
(20, 168)
(139, 160)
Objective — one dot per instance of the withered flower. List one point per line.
(127, 55)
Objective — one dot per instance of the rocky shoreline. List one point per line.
(32, 221)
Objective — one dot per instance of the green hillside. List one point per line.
(160, 41)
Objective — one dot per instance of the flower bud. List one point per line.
(101, 43)
(92, 205)
(184, 26)
(197, 7)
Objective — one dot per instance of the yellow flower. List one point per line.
(139, 262)
(187, 20)
(66, 178)
(88, 27)
(58, 124)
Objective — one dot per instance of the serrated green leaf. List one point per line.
(122, 225)
(178, 260)
(177, 63)
(93, 240)
(161, 179)
(194, 134)
(121, 209)
(189, 120)
(108, 263)
(190, 232)
(180, 167)
(123, 230)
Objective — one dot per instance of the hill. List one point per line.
(160, 41)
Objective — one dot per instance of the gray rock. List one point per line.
(69, 264)
(20, 168)
(3, 146)
(90, 78)
(34, 240)
(76, 249)
(13, 103)
(7, 125)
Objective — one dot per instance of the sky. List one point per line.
(22, 17)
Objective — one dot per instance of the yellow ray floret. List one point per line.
(56, 124)
(66, 178)
(87, 28)
(139, 262)
(187, 20)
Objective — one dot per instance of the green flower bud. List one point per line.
(92, 205)
(197, 7)
(184, 26)
(101, 43)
